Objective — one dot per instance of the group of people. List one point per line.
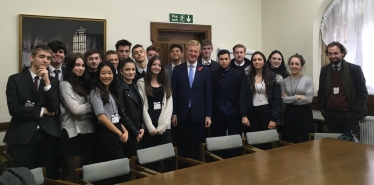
(97, 108)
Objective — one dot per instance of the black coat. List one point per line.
(238, 81)
(274, 98)
(132, 109)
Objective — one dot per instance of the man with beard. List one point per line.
(59, 51)
(176, 55)
(342, 92)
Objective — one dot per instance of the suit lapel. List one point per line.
(30, 81)
(185, 74)
(130, 94)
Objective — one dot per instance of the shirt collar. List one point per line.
(236, 63)
(194, 64)
(172, 65)
(333, 65)
(209, 62)
(140, 70)
(33, 75)
(52, 69)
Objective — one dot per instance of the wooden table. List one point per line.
(327, 161)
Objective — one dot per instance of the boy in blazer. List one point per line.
(192, 101)
(32, 97)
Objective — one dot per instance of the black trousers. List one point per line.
(259, 120)
(223, 125)
(298, 122)
(41, 151)
(341, 121)
(190, 135)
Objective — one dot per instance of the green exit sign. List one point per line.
(182, 18)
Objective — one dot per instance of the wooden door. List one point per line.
(164, 35)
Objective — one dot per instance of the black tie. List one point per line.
(36, 80)
(336, 68)
(143, 73)
(56, 73)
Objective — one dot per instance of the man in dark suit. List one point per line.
(33, 134)
(226, 89)
(206, 51)
(176, 55)
(56, 69)
(138, 54)
(342, 92)
(192, 101)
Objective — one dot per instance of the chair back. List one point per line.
(261, 137)
(106, 170)
(38, 175)
(324, 135)
(223, 142)
(156, 153)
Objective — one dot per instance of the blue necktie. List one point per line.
(191, 75)
(190, 78)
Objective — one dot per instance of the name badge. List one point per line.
(29, 104)
(156, 105)
(115, 118)
(336, 90)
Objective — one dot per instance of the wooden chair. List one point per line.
(155, 154)
(262, 137)
(314, 136)
(39, 175)
(220, 143)
(104, 170)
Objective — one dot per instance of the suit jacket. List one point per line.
(169, 71)
(137, 76)
(359, 84)
(132, 111)
(19, 90)
(237, 82)
(200, 93)
(213, 65)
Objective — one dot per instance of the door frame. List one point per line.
(157, 27)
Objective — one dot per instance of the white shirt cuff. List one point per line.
(46, 88)
(41, 112)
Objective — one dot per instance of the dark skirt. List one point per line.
(78, 145)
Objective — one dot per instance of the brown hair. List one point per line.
(161, 78)
(239, 46)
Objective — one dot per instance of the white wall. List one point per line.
(233, 22)
(292, 26)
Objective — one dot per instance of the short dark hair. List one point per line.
(152, 47)
(301, 58)
(122, 42)
(91, 52)
(56, 45)
(222, 52)
(110, 52)
(339, 45)
(124, 62)
(136, 46)
(37, 48)
(176, 46)
(206, 43)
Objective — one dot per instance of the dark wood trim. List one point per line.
(157, 27)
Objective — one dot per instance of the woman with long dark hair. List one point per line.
(276, 64)
(263, 95)
(133, 106)
(76, 119)
(106, 100)
(158, 105)
(298, 91)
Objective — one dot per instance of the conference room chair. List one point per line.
(216, 144)
(314, 136)
(155, 154)
(263, 137)
(89, 174)
(39, 175)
